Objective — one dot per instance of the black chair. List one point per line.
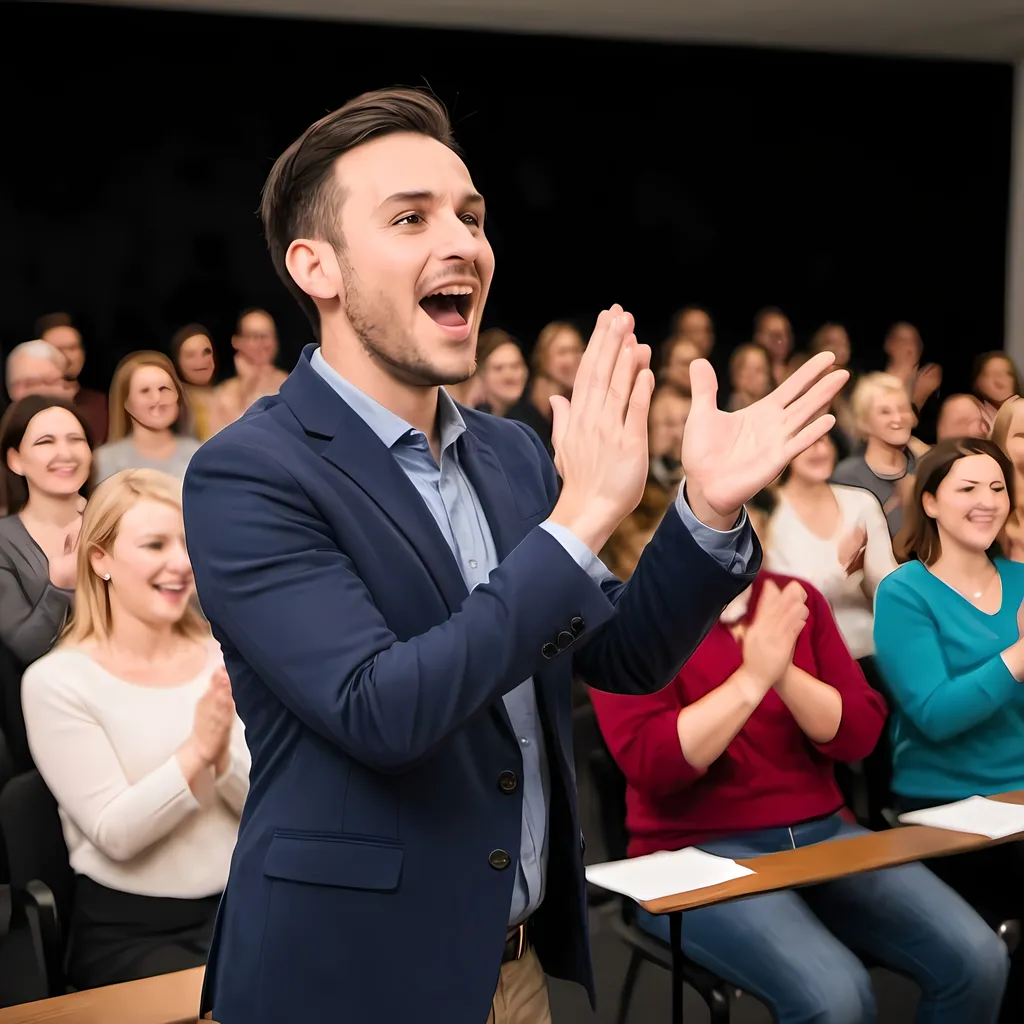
(42, 882)
(610, 785)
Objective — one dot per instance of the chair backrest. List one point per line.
(34, 839)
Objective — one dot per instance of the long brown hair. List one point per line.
(120, 422)
(101, 522)
(919, 536)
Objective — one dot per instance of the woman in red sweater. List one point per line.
(736, 756)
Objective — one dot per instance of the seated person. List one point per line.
(948, 637)
(736, 757)
(132, 726)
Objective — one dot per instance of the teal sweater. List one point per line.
(958, 715)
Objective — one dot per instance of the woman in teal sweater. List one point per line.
(948, 640)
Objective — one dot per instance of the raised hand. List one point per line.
(770, 640)
(214, 718)
(600, 436)
(64, 568)
(851, 550)
(729, 456)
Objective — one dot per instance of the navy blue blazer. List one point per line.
(376, 853)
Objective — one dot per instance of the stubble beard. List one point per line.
(375, 325)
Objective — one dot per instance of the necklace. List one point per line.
(979, 594)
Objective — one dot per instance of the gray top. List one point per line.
(117, 455)
(855, 472)
(32, 610)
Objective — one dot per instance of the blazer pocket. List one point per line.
(346, 862)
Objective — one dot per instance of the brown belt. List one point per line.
(517, 942)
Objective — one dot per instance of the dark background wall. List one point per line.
(866, 190)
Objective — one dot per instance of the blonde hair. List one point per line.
(868, 388)
(1003, 420)
(100, 524)
(120, 422)
(541, 347)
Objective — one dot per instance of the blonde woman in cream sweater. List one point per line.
(132, 726)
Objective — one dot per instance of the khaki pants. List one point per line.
(522, 993)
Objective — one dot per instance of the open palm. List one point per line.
(730, 456)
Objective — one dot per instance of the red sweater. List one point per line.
(770, 776)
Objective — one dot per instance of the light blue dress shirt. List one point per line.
(452, 501)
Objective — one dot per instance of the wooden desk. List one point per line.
(810, 865)
(167, 999)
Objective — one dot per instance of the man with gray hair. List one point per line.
(36, 368)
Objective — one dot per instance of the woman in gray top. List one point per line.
(44, 477)
(148, 410)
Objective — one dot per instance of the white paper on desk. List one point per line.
(665, 873)
(977, 815)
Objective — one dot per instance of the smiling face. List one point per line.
(815, 464)
(414, 266)
(54, 456)
(152, 400)
(666, 423)
(970, 505)
(753, 375)
(890, 418)
(256, 340)
(195, 360)
(504, 375)
(995, 382)
(150, 573)
(677, 367)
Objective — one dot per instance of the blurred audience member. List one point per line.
(750, 374)
(148, 411)
(695, 324)
(1008, 435)
(666, 422)
(995, 379)
(554, 362)
(677, 353)
(903, 350)
(960, 416)
(195, 360)
(256, 347)
(468, 392)
(36, 368)
(834, 338)
(47, 458)
(132, 726)
(884, 419)
(774, 333)
(502, 371)
(59, 330)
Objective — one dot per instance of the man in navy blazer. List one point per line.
(403, 592)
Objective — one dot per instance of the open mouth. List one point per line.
(170, 590)
(449, 307)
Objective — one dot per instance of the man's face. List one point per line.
(256, 341)
(31, 375)
(415, 265)
(68, 342)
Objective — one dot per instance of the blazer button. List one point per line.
(565, 640)
(577, 626)
(499, 860)
(507, 782)
(549, 650)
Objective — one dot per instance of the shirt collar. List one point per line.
(388, 426)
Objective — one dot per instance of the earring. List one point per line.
(106, 576)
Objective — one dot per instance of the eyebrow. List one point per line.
(426, 196)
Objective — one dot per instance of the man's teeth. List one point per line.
(456, 290)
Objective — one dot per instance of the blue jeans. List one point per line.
(794, 949)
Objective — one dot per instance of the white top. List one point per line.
(106, 749)
(794, 550)
(114, 456)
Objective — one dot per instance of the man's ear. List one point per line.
(313, 266)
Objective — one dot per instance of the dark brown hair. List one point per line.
(52, 320)
(15, 421)
(181, 336)
(490, 341)
(300, 197)
(919, 536)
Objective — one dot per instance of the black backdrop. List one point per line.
(866, 190)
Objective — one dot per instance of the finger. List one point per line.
(801, 379)
(620, 388)
(584, 370)
(819, 397)
(703, 386)
(559, 423)
(612, 342)
(795, 592)
(806, 437)
(640, 405)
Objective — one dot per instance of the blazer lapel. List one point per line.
(494, 491)
(357, 451)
